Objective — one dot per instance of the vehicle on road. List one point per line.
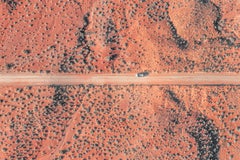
(142, 74)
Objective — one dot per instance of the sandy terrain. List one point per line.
(94, 36)
(68, 85)
(113, 122)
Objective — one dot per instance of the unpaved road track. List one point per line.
(9, 79)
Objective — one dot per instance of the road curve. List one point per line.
(9, 79)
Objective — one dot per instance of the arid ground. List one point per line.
(69, 88)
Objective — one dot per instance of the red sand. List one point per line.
(120, 36)
(120, 121)
(135, 122)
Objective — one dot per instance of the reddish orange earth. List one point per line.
(99, 36)
(120, 122)
(116, 121)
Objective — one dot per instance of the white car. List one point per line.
(142, 74)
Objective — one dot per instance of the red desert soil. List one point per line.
(154, 117)
(120, 122)
(115, 36)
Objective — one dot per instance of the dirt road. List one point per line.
(120, 79)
